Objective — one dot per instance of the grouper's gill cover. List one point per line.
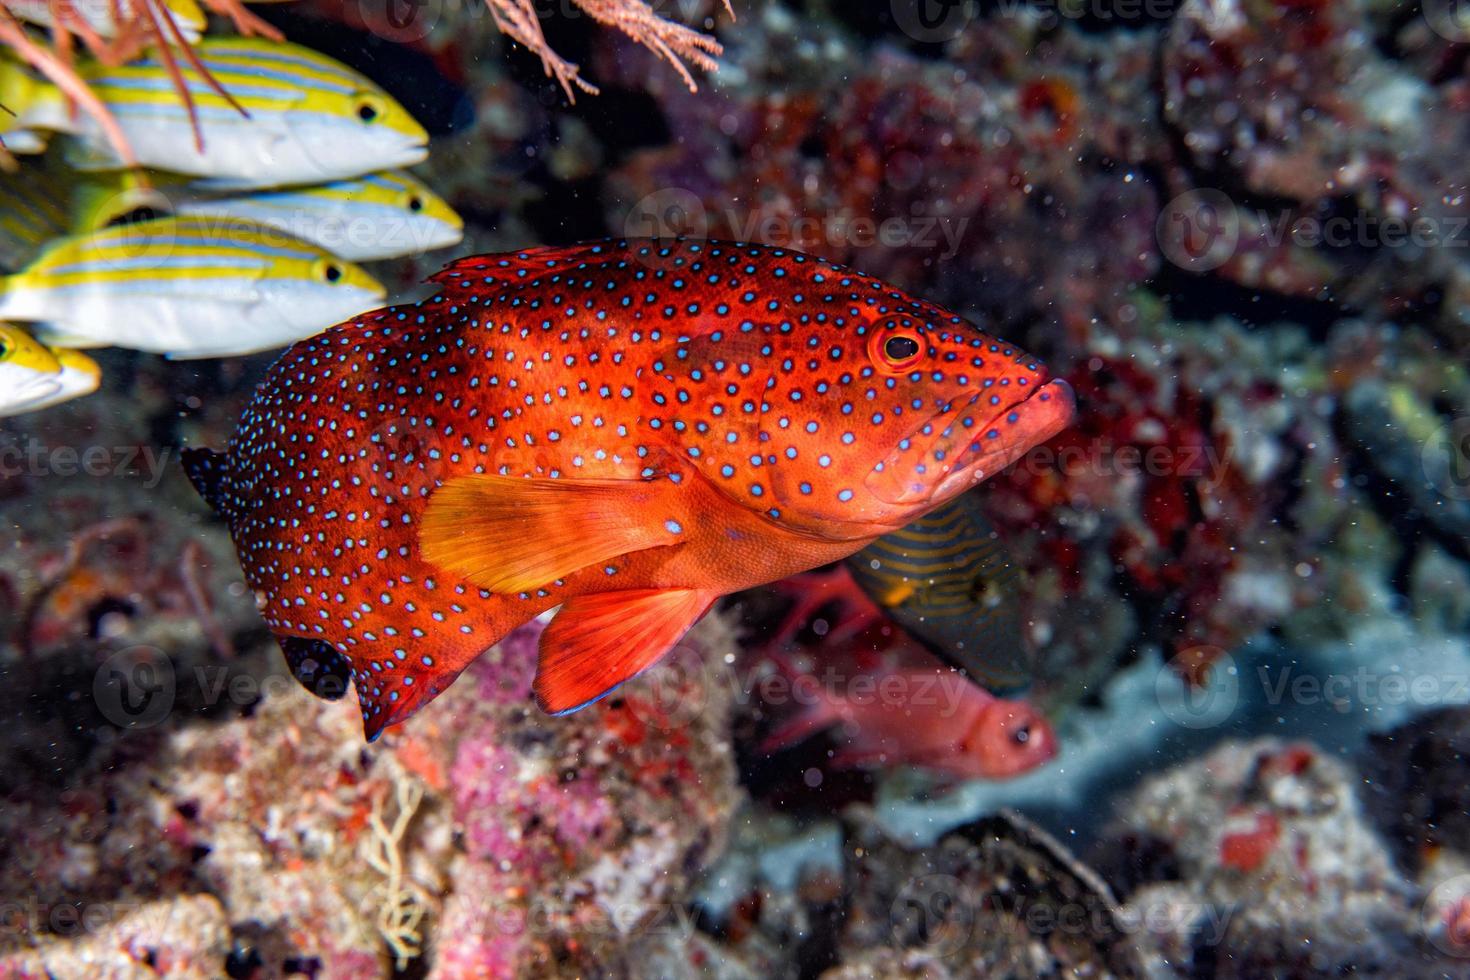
(626, 429)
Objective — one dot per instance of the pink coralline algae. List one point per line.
(484, 837)
(488, 789)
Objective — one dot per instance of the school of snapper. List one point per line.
(260, 196)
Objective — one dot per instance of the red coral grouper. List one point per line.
(627, 429)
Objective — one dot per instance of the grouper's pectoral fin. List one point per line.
(512, 535)
(596, 642)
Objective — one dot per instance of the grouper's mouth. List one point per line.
(1047, 411)
(958, 450)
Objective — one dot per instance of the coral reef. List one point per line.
(1235, 228)
(1271, 839)
(483, 834)
(179, 938)
(998, 898)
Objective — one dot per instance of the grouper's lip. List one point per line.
(1042, 414)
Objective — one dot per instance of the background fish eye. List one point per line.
(328, 271)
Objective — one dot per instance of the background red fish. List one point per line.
(628, 429)
(904, 711)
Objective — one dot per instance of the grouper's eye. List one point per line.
(896, 350)
(900, 348)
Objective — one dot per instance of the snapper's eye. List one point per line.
(368, 109)
(1021, 734)
(327, 271)
(415, 203)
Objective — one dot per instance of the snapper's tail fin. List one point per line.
(29, 103)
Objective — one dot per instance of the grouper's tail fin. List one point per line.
(208, 470)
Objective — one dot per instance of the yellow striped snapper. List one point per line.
(185, 287)
(80, 375)
(379, 216)
(375, 217)
(310, 119)
(100, 16)
(32, 376)
(21, 92)
(947, 580)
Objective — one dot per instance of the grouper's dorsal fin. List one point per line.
(508, 268)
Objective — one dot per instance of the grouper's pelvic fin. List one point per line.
(207, 470)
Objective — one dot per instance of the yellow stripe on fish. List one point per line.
(186, 287)
(948, 581)
(308, 118)
(380, 216)
(33, 212)
(100, 15)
